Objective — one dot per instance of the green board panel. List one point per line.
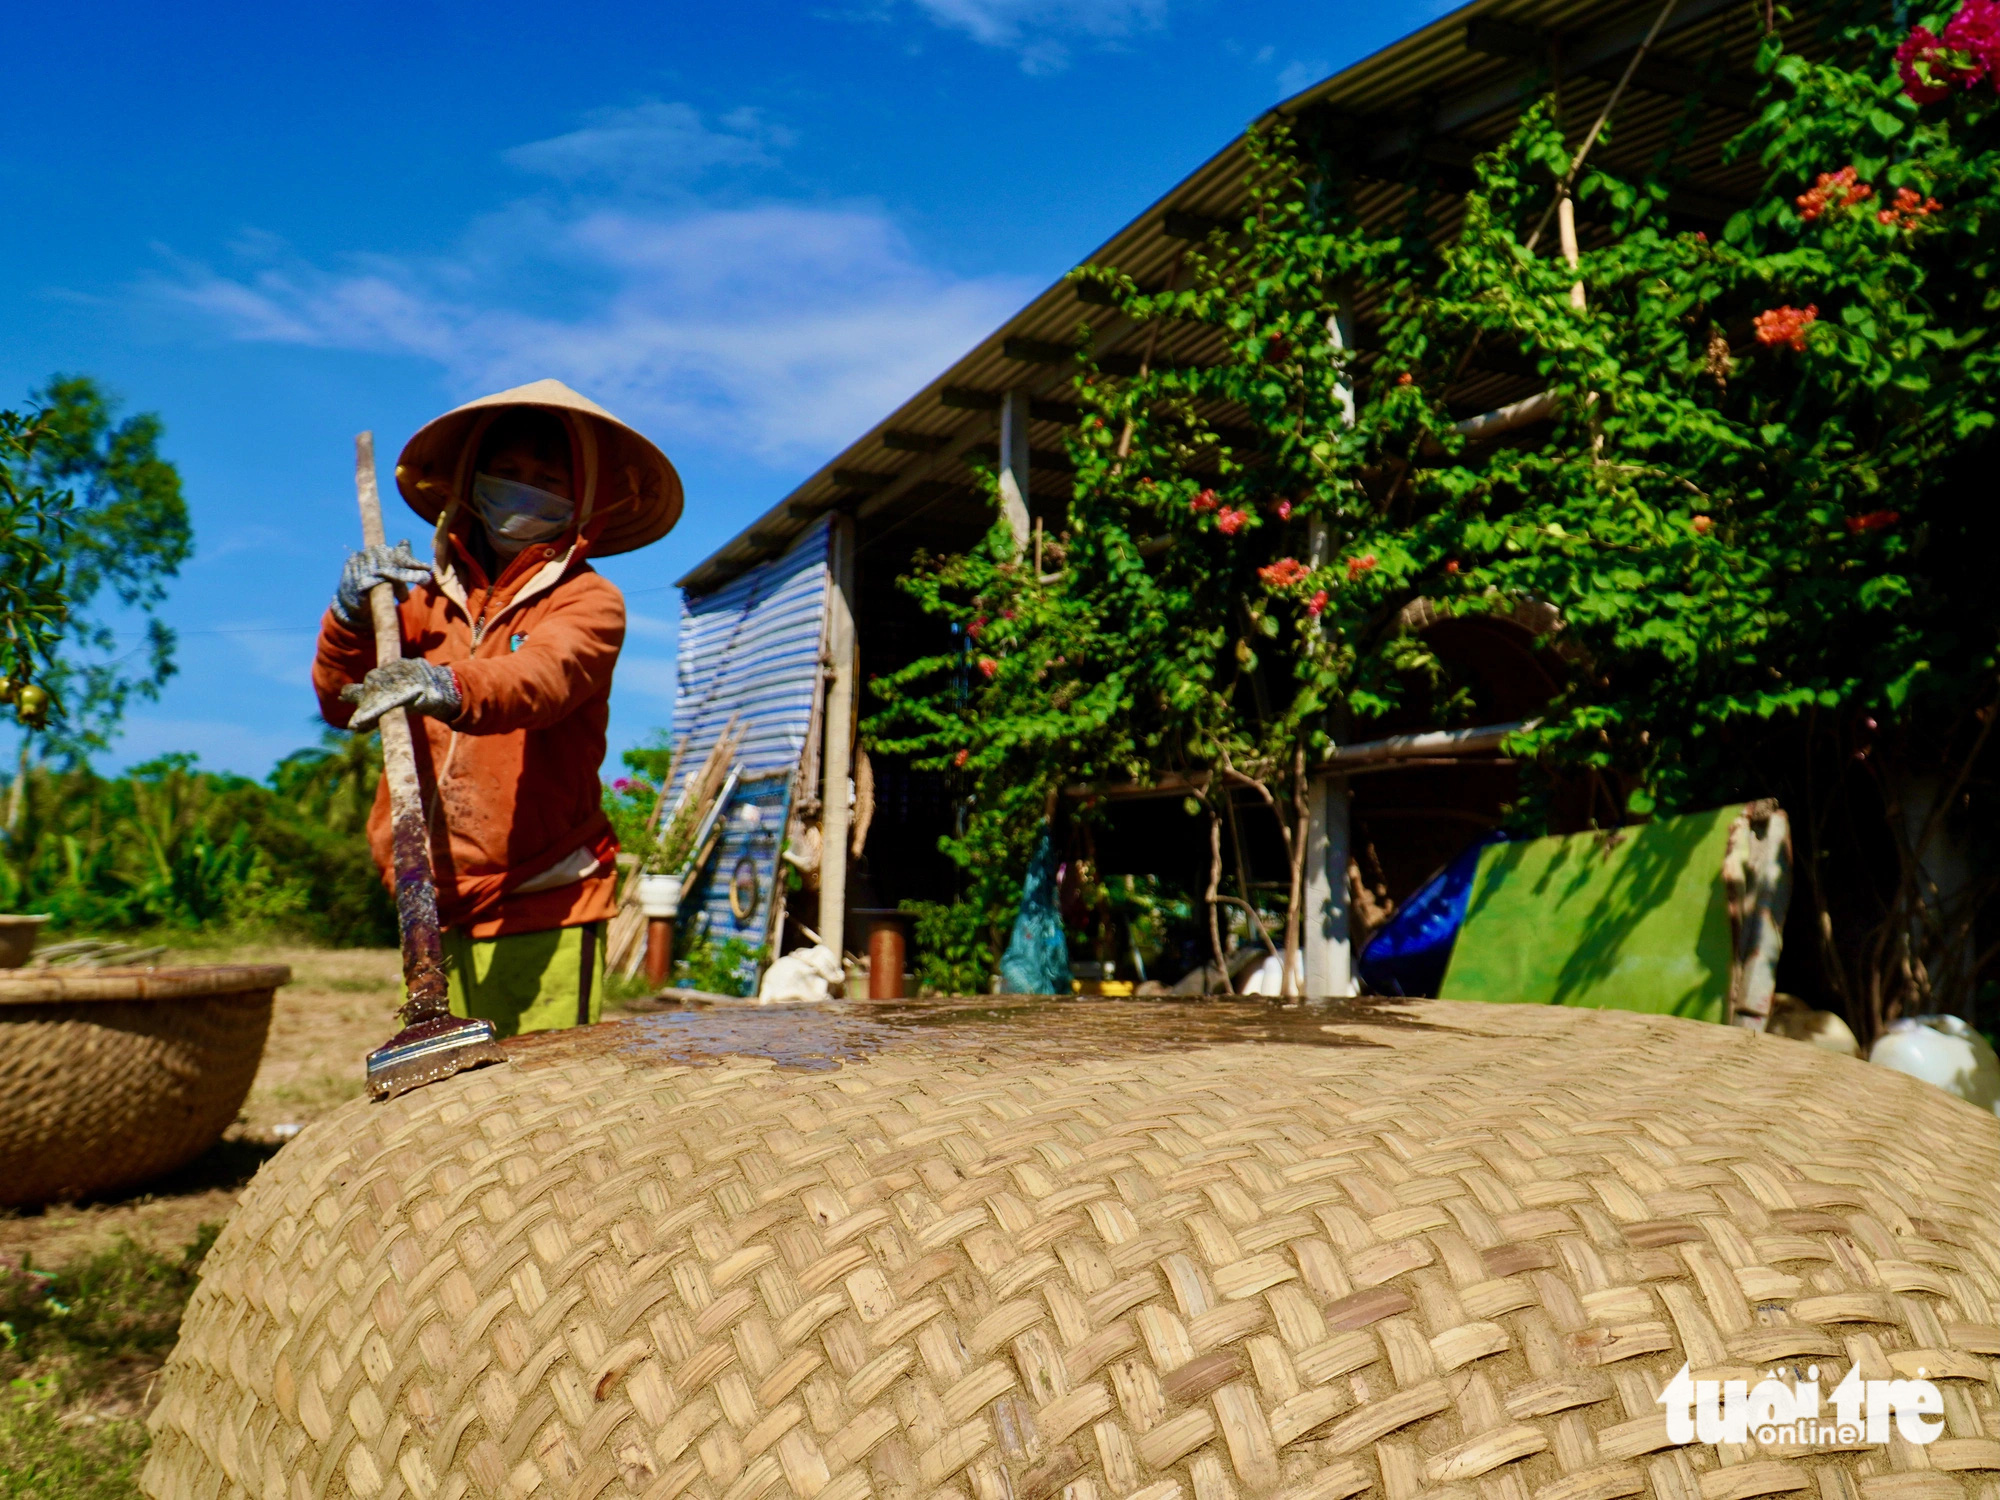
(1633, 919)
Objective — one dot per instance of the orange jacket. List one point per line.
(511, 783)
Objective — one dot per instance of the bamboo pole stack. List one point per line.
(672, 845)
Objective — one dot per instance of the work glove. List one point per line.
(423, 687)
(368, 567)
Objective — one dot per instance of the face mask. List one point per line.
(517, 514)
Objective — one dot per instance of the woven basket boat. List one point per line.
(111, 1077)
(1111, 1251)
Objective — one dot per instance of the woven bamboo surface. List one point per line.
(40, 986)
(131, 1075)
(1111, 1252)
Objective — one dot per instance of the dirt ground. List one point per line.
(340, 1003)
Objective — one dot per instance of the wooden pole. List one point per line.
(837, 745)
(1329, 958)
(1014, 465)
(416, 896)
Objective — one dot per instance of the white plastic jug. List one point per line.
(1942, 1050)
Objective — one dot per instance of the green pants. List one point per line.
(529, 981)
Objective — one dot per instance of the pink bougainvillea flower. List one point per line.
(1356, 566)
(988, 666)
(1283, 574)
(1284, 510)
(1315, 604)
(1833, 190)
(1785, 325)
(1875, 520)
(1930, 69)
(1229, 521)
(622, 784)
(1205, 501)
(1975, 31)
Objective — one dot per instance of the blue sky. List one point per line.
(749, 230)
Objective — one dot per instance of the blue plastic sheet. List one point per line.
(1410, 954)
(1037, 957)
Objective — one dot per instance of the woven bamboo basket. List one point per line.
(111, 1077)
(1108, 1251)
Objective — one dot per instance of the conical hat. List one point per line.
(627, 486)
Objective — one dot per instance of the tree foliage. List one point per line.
(1754, 503)
(34, 601)
(124, 532)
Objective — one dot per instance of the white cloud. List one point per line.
(643, 627)
(1036, 29)
(1299, 75)
(651, 677)
(777, 328)
(652, 145)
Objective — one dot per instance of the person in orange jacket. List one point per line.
(509, 642)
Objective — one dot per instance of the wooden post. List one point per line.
(887, 953)
(1014, 465)
(837, 742)
(659, 950)
(1329, 959)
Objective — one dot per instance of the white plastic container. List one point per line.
(660, 896)
(1944, 1051)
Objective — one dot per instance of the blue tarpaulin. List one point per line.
(1037, 957)
(1411, 952)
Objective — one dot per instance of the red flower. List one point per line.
(961, 758)
(1315, 604)
(1875, 520)
(1909, 207)
(1283, 573)
(622, 784)
(988, 666)
(1006, 614)
(1229, 521)
(1284, 510)
(1404, 378)
(1451, 567)
(977, 628)
(1930, 69)
(1205, 501)
(1833, 190)
(1356, 566)
(1786, 325)
(1703, 525)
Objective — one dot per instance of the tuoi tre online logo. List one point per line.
(1734, 1411)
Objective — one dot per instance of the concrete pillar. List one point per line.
(1014, 466)
(837, 736)
(1329, 959)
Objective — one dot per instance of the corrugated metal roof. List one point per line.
(1416, 112)
(752, 651)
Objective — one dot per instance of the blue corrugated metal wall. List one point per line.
(751, 649)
